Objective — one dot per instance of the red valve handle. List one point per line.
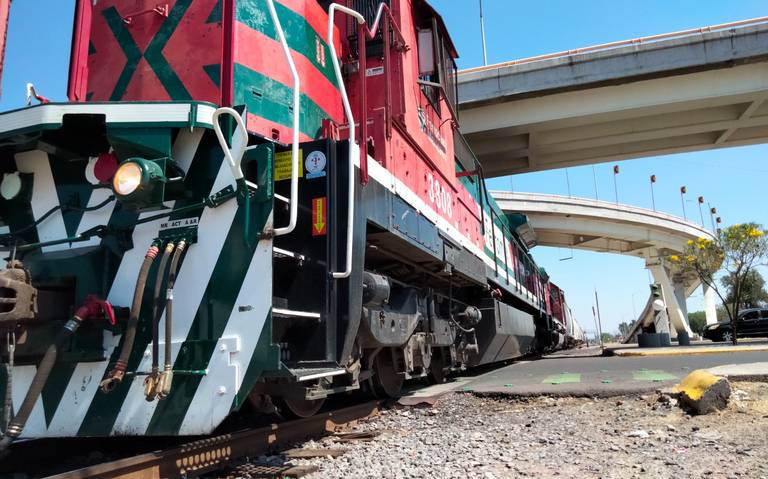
(93, 306)
(109, 312)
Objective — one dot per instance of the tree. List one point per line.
(753, 293)
(737, 250)
(607, 338)
(624, 328)
(697, 320)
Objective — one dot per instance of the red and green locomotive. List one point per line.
(249, 203)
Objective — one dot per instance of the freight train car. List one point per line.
(248, 203)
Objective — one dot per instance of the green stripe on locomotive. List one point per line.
(153, 58)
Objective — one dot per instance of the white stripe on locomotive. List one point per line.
(227, 367)
(44, 196)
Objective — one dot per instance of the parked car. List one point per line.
(751, 323)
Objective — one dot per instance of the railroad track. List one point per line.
(211, 454)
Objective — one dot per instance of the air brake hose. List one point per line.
(115, 376)
(18, 422)
(151, 380)
(90, 308)
(164, 386)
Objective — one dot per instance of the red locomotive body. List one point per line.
(298, 168)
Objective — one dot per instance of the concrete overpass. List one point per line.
(683, 91)
(602, 226)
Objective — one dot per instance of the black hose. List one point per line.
(18, 422)
(167, 378)
(63, 208)
(115, 376)
(156, 310)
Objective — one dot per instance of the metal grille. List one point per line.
(368, 8)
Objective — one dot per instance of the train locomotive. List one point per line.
(250, 202)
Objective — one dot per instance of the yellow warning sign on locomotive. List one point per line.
(283, 165)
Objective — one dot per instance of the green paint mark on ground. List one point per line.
(509, 385)
(466, 388)
(562, 378)
(607, 381)
(652, 375)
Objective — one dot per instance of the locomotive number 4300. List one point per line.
(439, 196)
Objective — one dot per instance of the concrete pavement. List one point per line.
(698, 347)
(605, 376)
(752, 371)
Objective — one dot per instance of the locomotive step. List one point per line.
(284, 253)
(294, 314)
(309, 370)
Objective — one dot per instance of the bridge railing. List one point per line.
(621, 43)
(500, 196)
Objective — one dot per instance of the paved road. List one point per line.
(571, 374)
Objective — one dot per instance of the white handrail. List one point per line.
(353, 146)
(237, 146)
(295, 158)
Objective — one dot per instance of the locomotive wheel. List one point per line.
(385, 382)
(436, 374)
(294, 408)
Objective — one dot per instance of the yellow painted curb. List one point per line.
(690, 350)
(695, 384)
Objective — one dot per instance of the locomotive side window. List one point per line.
(429, 77)
(437, 70)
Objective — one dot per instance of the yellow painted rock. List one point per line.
(703, 392)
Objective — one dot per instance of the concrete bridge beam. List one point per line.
(684, 92)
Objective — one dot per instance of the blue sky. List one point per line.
(733, 180)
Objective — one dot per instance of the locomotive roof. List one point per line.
(430, 11)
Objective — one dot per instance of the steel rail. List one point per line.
(211, 454)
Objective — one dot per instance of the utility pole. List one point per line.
(682, 200)
(701, 215)
(653, 199)
(599, 320)
(482, 34)
(568, 182)
(594, 180)
(615, 186)
(712, 213)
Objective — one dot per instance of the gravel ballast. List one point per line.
(643, 436)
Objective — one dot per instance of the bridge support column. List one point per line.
(710, 309)
(678, 316)
(682, 300)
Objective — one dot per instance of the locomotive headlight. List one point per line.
(139, 182)
(127, 178)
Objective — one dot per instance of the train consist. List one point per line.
(249, 203)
